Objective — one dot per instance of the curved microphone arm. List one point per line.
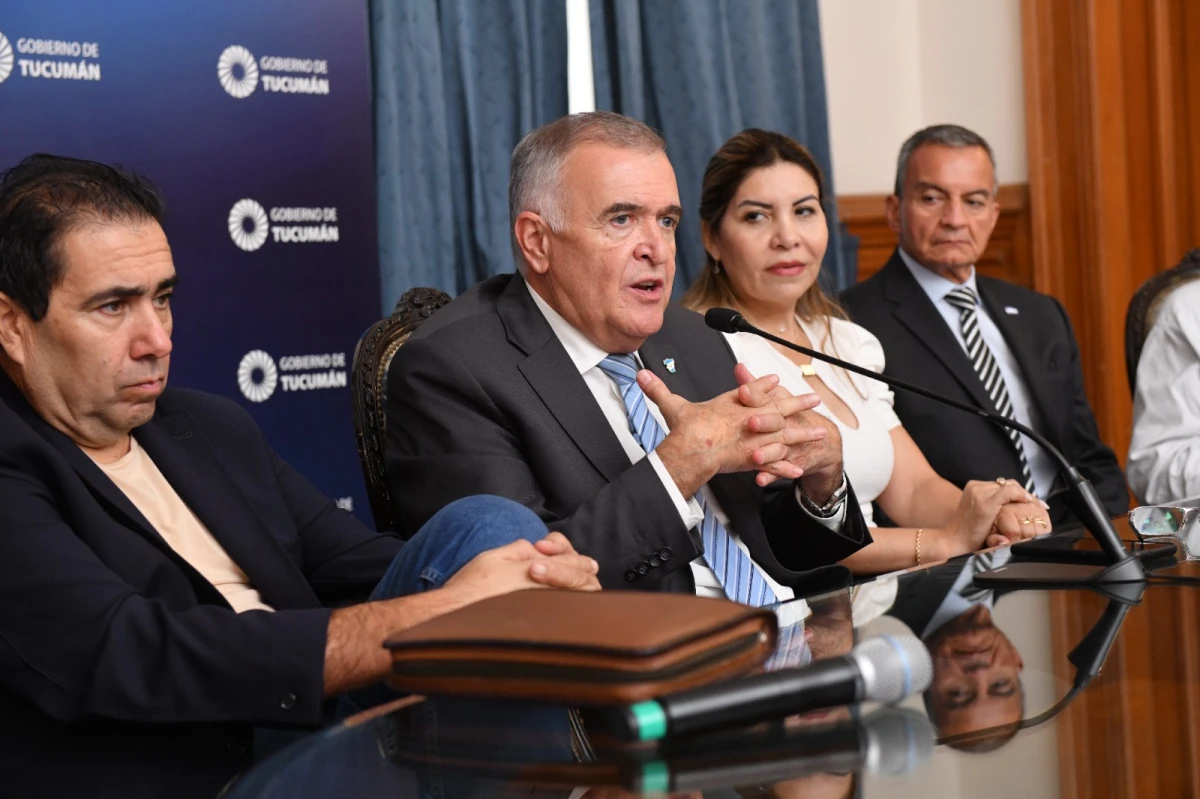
(728, 320)
(733, 322)
(1087, 657)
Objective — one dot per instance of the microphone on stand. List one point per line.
(1123, 566)
(1087, 657)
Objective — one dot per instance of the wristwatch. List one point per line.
(831, 505)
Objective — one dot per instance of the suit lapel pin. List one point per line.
(1011, 311)
(670, 364)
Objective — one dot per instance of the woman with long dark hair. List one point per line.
(765, 235)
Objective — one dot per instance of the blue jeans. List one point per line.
(447, 542)
(451, 538)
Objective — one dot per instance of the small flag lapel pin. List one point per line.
(670, 364)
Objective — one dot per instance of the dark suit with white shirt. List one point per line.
(485, 399)
(920, 348)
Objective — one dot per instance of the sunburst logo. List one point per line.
(248, 225)
(257, 376)
(238, 71)
(6, 58)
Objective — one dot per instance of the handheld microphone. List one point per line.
(886, 668)
(890, 742)
(1123, 567)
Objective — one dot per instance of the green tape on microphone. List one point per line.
(649, 720)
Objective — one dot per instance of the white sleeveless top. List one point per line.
(866, 450)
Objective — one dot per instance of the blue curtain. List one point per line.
(457, 84)
(700, 71)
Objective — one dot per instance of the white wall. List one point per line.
(581, 87)
(891, 68)
(895, 66)
(1027, 766)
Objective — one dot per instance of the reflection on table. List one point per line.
(1016, 708)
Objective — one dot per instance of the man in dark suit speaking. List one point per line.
(573, 388)
(164, 575)
(979, 340)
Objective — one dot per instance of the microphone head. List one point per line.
(726, 320)
(893, 667)
(897, 741)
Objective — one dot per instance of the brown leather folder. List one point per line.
(581, 648)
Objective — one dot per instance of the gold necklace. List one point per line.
(806, 369)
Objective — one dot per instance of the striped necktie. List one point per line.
(980, 562)
(791, 650)
(736, 571)
(964, 299)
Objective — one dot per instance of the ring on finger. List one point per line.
(1027, 520)
(1001, 480)
(1040, 522)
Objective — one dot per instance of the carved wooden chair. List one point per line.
(1143, 308)
(372, 358)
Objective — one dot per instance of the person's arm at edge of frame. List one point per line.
(354, 655)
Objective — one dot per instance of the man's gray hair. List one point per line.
(946, 135)
(534, 179)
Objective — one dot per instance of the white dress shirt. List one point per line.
(867, 452)
(937, 287)
(1164, 455)
(587, 357)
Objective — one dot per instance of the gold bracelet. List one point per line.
(918, 546)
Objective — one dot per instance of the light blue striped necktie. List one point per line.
(739, 576)
(791, 650)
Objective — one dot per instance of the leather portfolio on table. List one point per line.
(581, 648)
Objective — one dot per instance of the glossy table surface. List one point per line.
(1019, 708)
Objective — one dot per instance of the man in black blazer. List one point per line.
(504, 391)
(944, 210)
(977, 669)
(165, 578)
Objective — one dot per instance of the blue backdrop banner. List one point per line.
(255, 120)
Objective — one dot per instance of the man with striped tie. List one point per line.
(976, 690)
(976, 339)
(574, 388)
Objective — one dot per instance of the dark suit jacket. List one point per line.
(920, 348)
(921, 594)
(485, 400)
(122, 670)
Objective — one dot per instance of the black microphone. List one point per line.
(886, 668)
(888, 742)
(1123, 567)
